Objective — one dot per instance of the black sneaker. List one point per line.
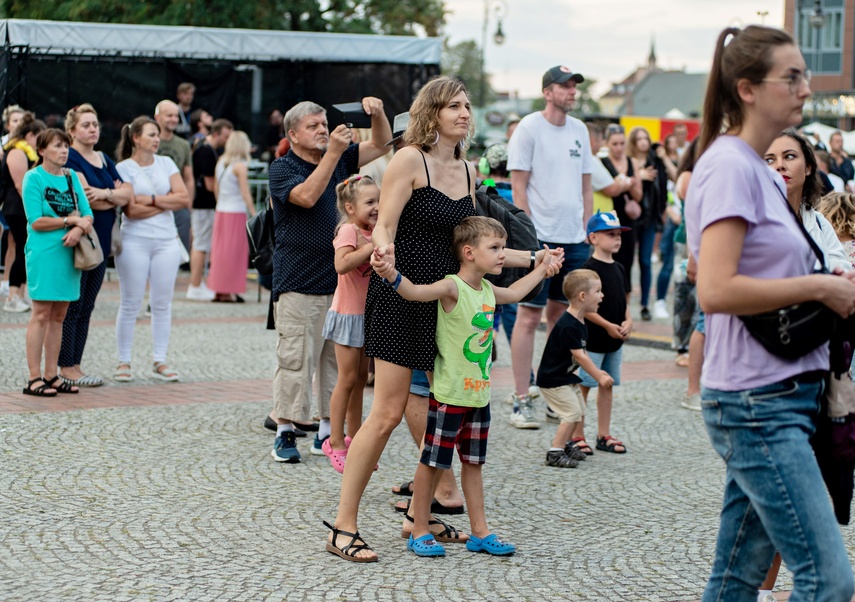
(645, 314)
(559, 459)
(572, 450)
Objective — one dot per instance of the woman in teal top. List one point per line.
(52, 233)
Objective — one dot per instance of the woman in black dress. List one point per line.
(427, 189)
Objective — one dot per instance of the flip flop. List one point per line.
(405, 489)
(435, 508)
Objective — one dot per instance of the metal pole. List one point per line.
(483, 83)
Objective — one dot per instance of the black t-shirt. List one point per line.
(204, 164)
(558, 366)
(303, 257)
(613, 307)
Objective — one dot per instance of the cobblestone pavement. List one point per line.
(175, 500)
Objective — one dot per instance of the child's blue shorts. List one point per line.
(609, 362)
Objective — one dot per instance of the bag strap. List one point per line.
(67, 173)
(820, 256)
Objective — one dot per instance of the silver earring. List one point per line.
(436, 140)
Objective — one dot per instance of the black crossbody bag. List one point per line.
(794, 331)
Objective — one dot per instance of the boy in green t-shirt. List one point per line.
(459, 411)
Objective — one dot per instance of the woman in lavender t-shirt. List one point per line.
(760, 409)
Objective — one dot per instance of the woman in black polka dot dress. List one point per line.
(427, 189)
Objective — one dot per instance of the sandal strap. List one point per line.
(448, 530)
(41, 387)
(350, 549)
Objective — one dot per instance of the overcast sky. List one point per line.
(601, 39)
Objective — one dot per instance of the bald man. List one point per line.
(177, 149)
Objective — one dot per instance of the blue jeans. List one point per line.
(646, 236)
(774, 495)
(666, 252)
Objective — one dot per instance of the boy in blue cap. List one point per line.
(608, 328)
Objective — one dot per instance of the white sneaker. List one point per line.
(660, 310)
(4, 288)
(15, 305)
(692, 403)
(523, 415)
(200, 293)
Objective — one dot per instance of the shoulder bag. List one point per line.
(794, 331)
(87, 253)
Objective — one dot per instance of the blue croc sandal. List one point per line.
(425, 545)
(490, 544)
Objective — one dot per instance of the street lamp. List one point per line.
(500, 7)
(817, 22)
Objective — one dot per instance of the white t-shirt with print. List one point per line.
(556, 157)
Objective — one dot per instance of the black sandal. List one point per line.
(448, 534)
(405, 489)
(41, 390)
(62, 387)
(349, 551)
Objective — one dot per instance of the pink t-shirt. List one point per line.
(352, 288)
(731, 180)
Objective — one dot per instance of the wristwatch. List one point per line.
(533, 260)
(65, 222)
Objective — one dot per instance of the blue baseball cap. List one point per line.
(604, 221)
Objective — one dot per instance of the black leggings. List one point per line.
(18, 228)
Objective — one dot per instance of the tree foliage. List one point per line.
(390, 17)
(463, 60)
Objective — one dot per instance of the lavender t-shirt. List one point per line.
(731, 181)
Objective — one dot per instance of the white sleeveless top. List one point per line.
(230, 199)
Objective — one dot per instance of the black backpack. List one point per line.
(521, 233)
(259, 231)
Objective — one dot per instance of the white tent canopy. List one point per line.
(73, 38)
(825, 132)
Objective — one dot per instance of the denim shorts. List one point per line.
(608, 362)
(575, 254)
(420, 385)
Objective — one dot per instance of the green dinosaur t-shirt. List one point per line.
(464, 341)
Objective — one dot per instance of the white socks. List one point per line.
(324, 428)
(281, 428)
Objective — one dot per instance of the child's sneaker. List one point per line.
(559, 459)
(551, 415)
(572, 450)
(523, 415)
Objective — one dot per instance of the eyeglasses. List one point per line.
(793, 80)
(614, 128)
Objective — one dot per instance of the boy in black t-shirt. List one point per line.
(563, 355)
(608, 327)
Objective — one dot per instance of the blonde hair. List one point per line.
(472, 229)
(578, 281)
(73, 116)
(348, 192)
(839, 209)
(434, 96)
(9, 111)
(237, 149)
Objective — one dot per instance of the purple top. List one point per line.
(731, 180)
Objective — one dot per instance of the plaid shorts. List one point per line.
(449, 426)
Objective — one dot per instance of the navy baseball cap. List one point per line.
(560, 74)
(604, 221)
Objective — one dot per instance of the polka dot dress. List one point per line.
(403, 332)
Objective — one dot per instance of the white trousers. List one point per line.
(146, 260)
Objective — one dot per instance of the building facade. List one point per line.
(825, 32)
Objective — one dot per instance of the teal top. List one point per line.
(51, 275)
(464, 341)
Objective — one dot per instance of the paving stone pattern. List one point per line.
(183, 502)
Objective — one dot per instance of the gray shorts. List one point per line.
(202, 224)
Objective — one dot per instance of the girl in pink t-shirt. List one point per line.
(358, 199)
